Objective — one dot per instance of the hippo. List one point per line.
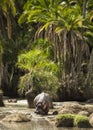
(42, 103)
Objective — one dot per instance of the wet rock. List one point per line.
(3, 114)
(73, 107)
(66, 111)
(1, 98)
(73, 120)
(81, 121)
(16, 117)
(85, 113)
(55, 113)
(91, 119)
(65, 120)
(89, 101)
(12, 100)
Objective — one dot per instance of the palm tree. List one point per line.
(63, 22)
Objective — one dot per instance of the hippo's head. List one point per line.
(39, 109)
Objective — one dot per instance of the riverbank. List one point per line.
(60, 107)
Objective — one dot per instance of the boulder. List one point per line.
(72, 107)
(81, 121)
(65, 120)
(16, 117)
(1, 99)
(66, 111)
(89, 101)
(85, 113)
(91, 119)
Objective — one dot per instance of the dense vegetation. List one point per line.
(47, 45)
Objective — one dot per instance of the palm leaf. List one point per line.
(23, 17)
(45, 26)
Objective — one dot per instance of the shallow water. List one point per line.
(38, 123)
(34, 125)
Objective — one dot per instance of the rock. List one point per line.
(73, 107)
(9, 100)
(12, 100)
(72, 120)
(89, 101)
(82, 122)
(91, 119)
(55, 113)
(66, 111)
(16, 117)
(85, 113)
(65, 120)
(1, 99)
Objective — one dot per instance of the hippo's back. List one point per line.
(43, 97)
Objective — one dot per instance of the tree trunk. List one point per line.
(84, 8)
(9, 26)
(90, 71)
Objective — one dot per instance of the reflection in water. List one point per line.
(2, 127)
(33, 125)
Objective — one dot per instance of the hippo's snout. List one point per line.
(38, 108)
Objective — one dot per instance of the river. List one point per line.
(37, 123)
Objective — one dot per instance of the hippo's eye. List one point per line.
(39, 105)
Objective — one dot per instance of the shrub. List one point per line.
(42, 73)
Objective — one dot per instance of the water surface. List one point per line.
(37, 123)
(34, 125)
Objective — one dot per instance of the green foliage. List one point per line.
(52, 12)
(65, 120)
(25, 82)
(6, 5)
(46, 46)
(36, 59)
(64, 16)
(46, 81)
(42, 72)
(40, 81)
(82, 121)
